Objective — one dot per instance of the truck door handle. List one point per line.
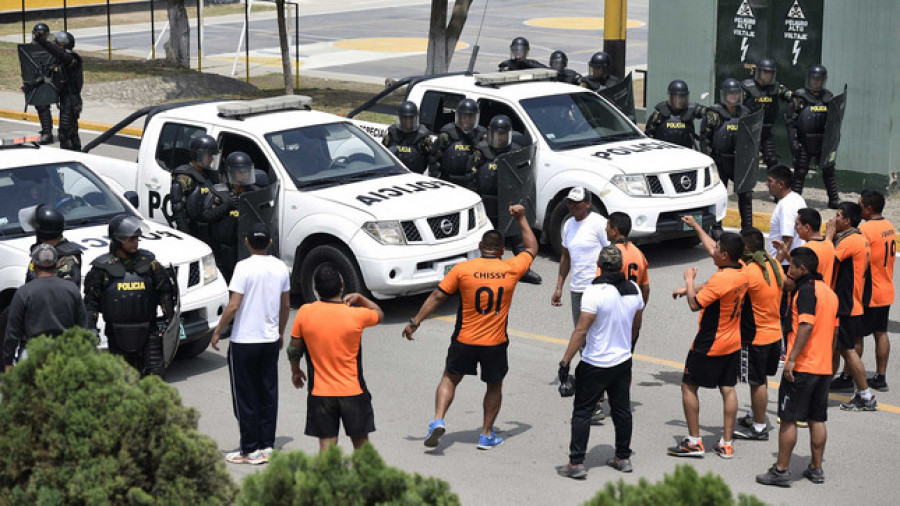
(153, 184)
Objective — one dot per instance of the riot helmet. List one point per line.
(816, 77)
(499, 132)
(765, 72)
(407, 116)
(679, 95)
(239, 168)
(559, 61)
(518, 48)
(71, 45)
(730, 93)
(600, 65)
(467, 115)
(204, 151)
(48, 223)
(63, 40)
(40, 28)
(123, 227)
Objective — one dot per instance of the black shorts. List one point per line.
(758, 362)
(850, 327)
(875, 319)
(711, 372)
(324, 415)
(804, 399)
(464, 359)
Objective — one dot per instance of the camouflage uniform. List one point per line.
(69, 264)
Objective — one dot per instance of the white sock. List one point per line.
(694, 440)
(723, 442)
(759, 427)
(865, 394)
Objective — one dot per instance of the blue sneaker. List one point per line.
(436, 429)
(486, 443)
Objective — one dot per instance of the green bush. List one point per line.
(683, 487)
(81, 427)
(333, 479)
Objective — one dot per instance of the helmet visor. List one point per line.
(731, 97)
(518, 52)
(816, 82)
(678, 101)
(132, 226)
(764, 77)
(243, 175)
(499, 139)
(466, 121)
(406, 123)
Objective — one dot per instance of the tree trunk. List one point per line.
(442, 38)
(285, 50)
(178, 47)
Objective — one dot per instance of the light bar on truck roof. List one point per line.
(248, 107)
(14, 138)
(514, 76)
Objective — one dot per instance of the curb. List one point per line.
(82, 124)
(760, 220)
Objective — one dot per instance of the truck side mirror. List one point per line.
(132, 198)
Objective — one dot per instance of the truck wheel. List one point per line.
(193, 348)
(339, 259)
(558, 218)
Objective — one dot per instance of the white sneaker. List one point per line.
(267, 453)
(254, 458)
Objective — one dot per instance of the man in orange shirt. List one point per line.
(329, 332)
(713, 359)
(883, 246)
(852, 252)
(803, 393)
(486, 286)
(634, 263)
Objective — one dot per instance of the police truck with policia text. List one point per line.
(329, 193)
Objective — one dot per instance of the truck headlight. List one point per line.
(385, 232)
(632, 184)
(481, 217)
(209, 269)
(713, 175)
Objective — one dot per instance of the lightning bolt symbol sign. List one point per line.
(796, 51)
(745, 45)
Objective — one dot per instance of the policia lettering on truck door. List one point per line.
(126, 286)
(409, 140)
(764, 92)
(454, 157)
(673, 120)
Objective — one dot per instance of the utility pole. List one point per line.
(614, 24)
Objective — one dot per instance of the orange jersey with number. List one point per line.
(824, 251)
(883, 248)
(851, 273)
(486, 287)
(634, 263)
(721, 298)
(760, 315)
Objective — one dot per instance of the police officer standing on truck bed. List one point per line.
(805, 120)
(518, 57)
(68, 80)
(560, 62)
(600, 76)
(43, 111)
(673, 120)
(718, 139)
(126, 286)
(192, 177)
(454, 157)
(764, 92)
(409, 140)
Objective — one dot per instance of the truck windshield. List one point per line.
(577, 120)
(70, 187)
(331, 154)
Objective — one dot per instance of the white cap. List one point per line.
(578, 194)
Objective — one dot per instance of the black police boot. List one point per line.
(46, 124)
(799, 180)
(745, 208)
(530, 277)
(716, 231)
(830, 180)
(153, 356)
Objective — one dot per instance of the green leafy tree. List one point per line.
(684, 487)
(334, 479)
(80, 427)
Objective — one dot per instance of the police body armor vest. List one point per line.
(596, 85)
(812, 118)
(568, 76)
(457, 159)
(128, 301)
(64, 249)
(762, 97)
(675, 128)
(725, 137)
(406, 147)
(69, 80)
(487, 171)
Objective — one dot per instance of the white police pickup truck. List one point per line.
(32, 175)
(581, 139)
(333, 195)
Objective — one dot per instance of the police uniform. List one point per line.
(186, 180)
(412, 148)
(127, 292)
(677, 127)
(221, 211)
(718, 139)
(765, 97)
(455, 155)
(569, 76)
(486, 175)
(67, 267)
(69, 80)
(520, 64)
(806, 118)
(599, 84)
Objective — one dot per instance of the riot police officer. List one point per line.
(600, 76)
(49, 225)
(126, 286)
(559, 62)
(518, 57)
(409, 140)
(221, 210)
(805, 119)
(190, 178)
(68, 80)
(454, 157)
(718, 139)
(41, 30)
(673, 120)
(764, 92)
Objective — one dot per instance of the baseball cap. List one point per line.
(44, 256)
(578, 194)
(258, 235)
(610, 258)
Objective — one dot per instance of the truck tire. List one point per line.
(338, 258)
(558, 217)
(193, 348)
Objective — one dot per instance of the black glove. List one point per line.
(566, 383)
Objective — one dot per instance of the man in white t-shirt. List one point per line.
(583, 236)
(259, 305)
(608, 308)
(782, 228)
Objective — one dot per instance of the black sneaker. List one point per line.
(858, 404)
(598, 417)
(814, 474)
(577, 472)
(531, 277)
(746, 420)
(842, 384)
(775, 477)
(878, 383)
(751, 434)
(623, 465)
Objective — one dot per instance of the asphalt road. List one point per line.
(402, 376)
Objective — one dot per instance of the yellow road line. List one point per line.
(576, 23)
(87, 125)
(654, 360)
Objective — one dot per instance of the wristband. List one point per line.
(294, 353)
(413, 324)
